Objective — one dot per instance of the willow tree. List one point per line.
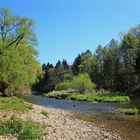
(18, 65)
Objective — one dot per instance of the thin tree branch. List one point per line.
(18, 39)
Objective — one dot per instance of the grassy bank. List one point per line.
(128, 111)
(22, 129)
(13, 103)
(90, 97)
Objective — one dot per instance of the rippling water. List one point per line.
(100, 113)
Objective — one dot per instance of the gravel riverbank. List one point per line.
(62, 125)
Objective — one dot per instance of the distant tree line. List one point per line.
(52, 75)
(115, 66)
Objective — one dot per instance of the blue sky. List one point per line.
(65, 28)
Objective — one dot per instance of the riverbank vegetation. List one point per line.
(128, 111)
(84, 91)
(90, 97)
(22, 129)
(80, 83)
(113, 67)
(13, 104)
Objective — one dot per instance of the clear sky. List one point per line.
(65, 28)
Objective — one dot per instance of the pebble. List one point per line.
(62, 125)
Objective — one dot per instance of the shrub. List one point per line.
(82, 83)
(23, 129)
(62, 86)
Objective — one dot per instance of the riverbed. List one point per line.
(97, 112)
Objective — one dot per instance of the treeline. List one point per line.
(115, 66)
(18, 64)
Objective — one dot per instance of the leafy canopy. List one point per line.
(18, 64)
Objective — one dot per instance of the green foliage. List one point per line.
(45, 113)
(90, 97)
(23, 129)
(53, 75)
(82, 83)
(128, 111)
(103, 97)
(62, 86)
(75, 66)
(13, 103)
(18, 64)
(114, 66)
(86, 62)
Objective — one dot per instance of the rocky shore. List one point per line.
(62, 125)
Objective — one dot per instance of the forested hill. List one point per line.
(115, 66)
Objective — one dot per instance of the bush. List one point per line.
(62, 86)
(82, 83)
(23, 129)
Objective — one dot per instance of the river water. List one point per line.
(100, 113)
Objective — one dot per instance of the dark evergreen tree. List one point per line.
(65, 64)
(58, 64)
(75, 66)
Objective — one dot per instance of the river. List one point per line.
(99, 113)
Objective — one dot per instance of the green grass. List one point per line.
(22, 129)
(91, 97)
(13, 103)
(128, 111)
(45, 113)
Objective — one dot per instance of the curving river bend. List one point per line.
(100, 113)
